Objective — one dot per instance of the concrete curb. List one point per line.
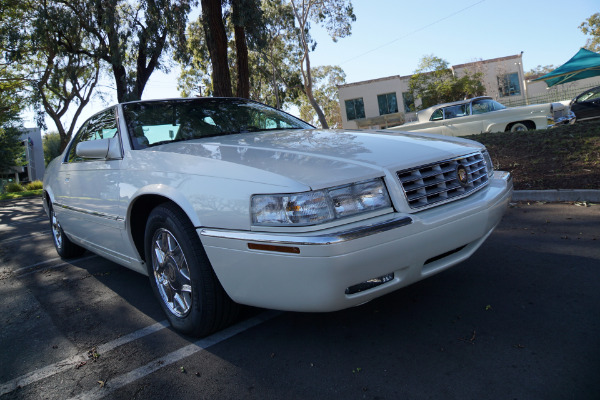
(557, 195)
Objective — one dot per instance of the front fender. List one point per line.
(167, 192)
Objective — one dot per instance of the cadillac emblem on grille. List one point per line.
(462, 175)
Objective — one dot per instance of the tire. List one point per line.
(519, 127)
(181, 276)
(64, 247)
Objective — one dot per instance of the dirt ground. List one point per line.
(566, 157)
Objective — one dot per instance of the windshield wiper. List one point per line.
(166, 142)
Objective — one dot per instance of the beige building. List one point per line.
(386, 102)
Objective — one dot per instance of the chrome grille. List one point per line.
(433, 183)
(559, 113)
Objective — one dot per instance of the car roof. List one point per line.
(184, 99)
(425, 115)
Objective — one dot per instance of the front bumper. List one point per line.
(567, 119)
(313, 271)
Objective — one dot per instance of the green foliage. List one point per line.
(336, 16)
(52, 146)
(539, 71)
(591, 27)
(11, 148)
(13, 98)
(14, 187)
(325, 79)
(35, 185)
(44, 54)
(434, 82)
(274, 78)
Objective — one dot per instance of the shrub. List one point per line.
(14, 187)
(35, 185)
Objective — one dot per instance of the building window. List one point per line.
(409, 102)
(388, 104)
(508, 85)
(355, 109)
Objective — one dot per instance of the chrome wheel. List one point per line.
(171, 273)
(56, 231)
(519, 127)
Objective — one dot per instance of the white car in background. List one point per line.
(483, 114)
(228, 201)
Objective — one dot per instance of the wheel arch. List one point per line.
(528, 123)
(140, 208)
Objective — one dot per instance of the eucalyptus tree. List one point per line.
(271, 52)
(248, 27)
(591, 27)
(37, 64)
(10, 144)
(132, 37)
(216, 42)
(326, 79)
(64, 77)
(336, 16)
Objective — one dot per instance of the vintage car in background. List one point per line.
(483, 114)
(587, 104)
(227, 201)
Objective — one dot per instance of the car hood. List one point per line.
(321, 158)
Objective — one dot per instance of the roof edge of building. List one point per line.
(387, 78)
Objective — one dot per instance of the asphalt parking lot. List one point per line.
(519, 320)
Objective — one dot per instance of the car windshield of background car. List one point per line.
(487, 105)
(160, 122)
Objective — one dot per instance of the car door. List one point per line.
(459, 122)
(587, 105)
(88, 200)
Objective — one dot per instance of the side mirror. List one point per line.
(101, 149)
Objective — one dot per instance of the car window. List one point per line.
(589, 96)
(459, 110)
(486, 105)
(437, 115)
(100, 126)
(154, 123)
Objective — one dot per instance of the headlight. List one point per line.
(310, 208)
(488, 163)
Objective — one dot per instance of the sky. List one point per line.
(390, 37)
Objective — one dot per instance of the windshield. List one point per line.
(486, 105)
(158, 122)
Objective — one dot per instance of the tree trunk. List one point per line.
(274, 82)
(120, 75)
(308, 89)
(243, 71)
(305, 62)
(216, 40)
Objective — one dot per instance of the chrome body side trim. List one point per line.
(306, 239)
(89, 212)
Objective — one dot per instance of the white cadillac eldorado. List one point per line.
(227, 201)
(483, 114)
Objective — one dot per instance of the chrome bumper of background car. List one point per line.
(567, 119)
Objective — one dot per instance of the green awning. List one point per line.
(584, 64)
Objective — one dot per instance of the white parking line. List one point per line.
(71, 362)
(153, 366)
